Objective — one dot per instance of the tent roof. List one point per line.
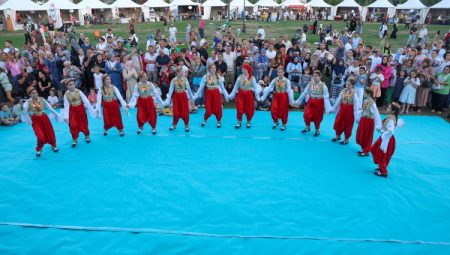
(381, 4)
(319, 3)
(24, 5)
(411, 4)
(183, 3)
(292, 2)
(348, 3)
(267, 3)
(214, 3)
(93, 4)
(125, 4)
(61, 5)
(156, 4)
(240, 3)
(441, 5)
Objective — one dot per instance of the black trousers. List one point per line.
(438, 101)
(380, 100)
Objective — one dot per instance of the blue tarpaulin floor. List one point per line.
(224, 191)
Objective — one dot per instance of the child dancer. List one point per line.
(348, 104)
(43, 129)
(107, 101)
(282, 97)
(247, 90)
(383, 149)
(368, 118)
(317, 102)
(74, 113)
(179, 92)
(143, 94)
(215, 87)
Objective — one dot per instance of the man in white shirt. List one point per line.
(262, 32)
(423, 33)
(150, 60)
(348, 45)
(229, 58)
(271, 52)
(172, 34)
(376, 59)
(287, 42)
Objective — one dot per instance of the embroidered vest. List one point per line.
(108, 94)
(316, 90)
(246, 84)
(347, 96)
(36, 108)
(280, 85)
(212, 83)
(180, 85)
(74, 99)
(145, 89)
(366, 108)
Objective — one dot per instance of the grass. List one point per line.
(273, 30)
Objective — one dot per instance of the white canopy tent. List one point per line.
(288, 3)
(54, 8)
(183, 3)
(346, 4)
(152, 4)
(12, 6)
(320, 4)
(416, 5)
(441, 5)
(209, 5)
(239, 5)
(86, 6)
(122, 4)
(381, 4)
(266, 3)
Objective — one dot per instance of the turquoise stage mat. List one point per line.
(224, 191)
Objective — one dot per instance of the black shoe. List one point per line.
(335, 139)
(283, 128)
(345, 142)
(219, 125)
(172, 128)
(139, 131)
(121, 134)
(186, 129)
(248, 125)
(306, 130)
(359, 152)
(55, 149)
(38, 153)
(316, 134)
(88, 140)
(378, 173)
(74, 145)
(153, 132)
(105, 133)
(203, 124)
(275, 125)
(238, 126)
(362, 154)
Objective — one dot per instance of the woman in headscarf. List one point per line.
(247, 91)
(113, 69)
(240, 61)
(339, 74)
(130, 75)
(386, 70)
